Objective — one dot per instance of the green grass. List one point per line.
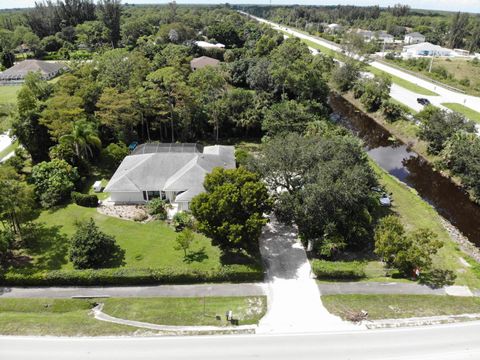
(8, 94)
(12, 147)
(402, 82)
(188, 311)
(416, 213)
(146, 245)
(400, 306)
(467, 112)
(68, 317)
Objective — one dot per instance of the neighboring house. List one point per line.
(17, 73)
(207, 45)
(414, 38)
(461, 52)
(334, 28)
(426, 49)
(384, 37)
(366, 34)
(173, 172)
(202, 61)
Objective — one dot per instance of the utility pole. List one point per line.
(431, 62)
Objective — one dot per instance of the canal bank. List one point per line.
(400, 161)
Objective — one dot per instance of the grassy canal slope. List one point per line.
(467, 112)
(416, 213)
(67, 317)
(400, 306)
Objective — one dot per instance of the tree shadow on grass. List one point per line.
(196, 256)
(46, 245)
(437, 278)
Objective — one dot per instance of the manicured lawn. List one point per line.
(60, 317)
(188, 311)
(467, 112)
(402, 82)
(68, 317)
(8, 94)
(147, 245)
(416, 213)
(400, 306)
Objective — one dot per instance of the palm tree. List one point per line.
(83, 138)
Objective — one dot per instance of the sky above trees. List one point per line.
(457, 5)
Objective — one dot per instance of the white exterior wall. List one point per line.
(127, 197)
(414, 40)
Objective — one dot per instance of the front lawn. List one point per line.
(149, 245)
(68, 317)
(8, 94)
(400, 306)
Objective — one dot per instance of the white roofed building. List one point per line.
(426, 49)
(173, 172)
(414, 38)
(207, 45)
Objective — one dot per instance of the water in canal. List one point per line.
(395, 157)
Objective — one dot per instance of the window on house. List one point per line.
(153, 195)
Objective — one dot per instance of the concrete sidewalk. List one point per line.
(200, 290)
(390, 288)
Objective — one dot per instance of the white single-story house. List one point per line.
(414, 38)
(461, 52)
(385, 37)
(334, 28)
(16, 74)
(366, 34)
(426, 49)
(207, 45)
(173, 172)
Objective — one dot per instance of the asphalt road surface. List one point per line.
(446, 342)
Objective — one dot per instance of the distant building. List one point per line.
(384, 37)
(334, 28)
(207, 45)
(461, 52)
(366, 34)
(17, 73)
(426, 49)
(414, 38)
(203, 61)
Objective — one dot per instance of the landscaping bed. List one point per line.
(400, 306)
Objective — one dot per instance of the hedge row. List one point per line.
(86, 200)
(338, 270)
(125, 276)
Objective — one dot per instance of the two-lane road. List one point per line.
(447, 342)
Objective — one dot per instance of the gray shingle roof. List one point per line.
(21, 69)
(203, 61)
(170, 170)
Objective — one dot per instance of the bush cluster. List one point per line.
(125, 276)
(86, 200)
(340, 270)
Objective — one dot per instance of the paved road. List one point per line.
(294, 303)
(446, 342)
(136, 291)
(445, 95)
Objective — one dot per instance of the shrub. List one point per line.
(127, 276)
(93, 249)
(157, 208)
(338, 270)
(182, 220)
(140, 216)
(86, 200)
(392, 111)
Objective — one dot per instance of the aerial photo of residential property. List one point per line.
(251, 179)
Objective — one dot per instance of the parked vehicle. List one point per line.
(423, 101)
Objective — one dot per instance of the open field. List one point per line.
(467, 112)
(400, 306)
(146, 245)
(67, 317)
(402, 82)
(464, 74)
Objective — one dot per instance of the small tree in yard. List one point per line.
(184, 240)
(158, 208)
(93, 249)
(405, 251)
(231, 211)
